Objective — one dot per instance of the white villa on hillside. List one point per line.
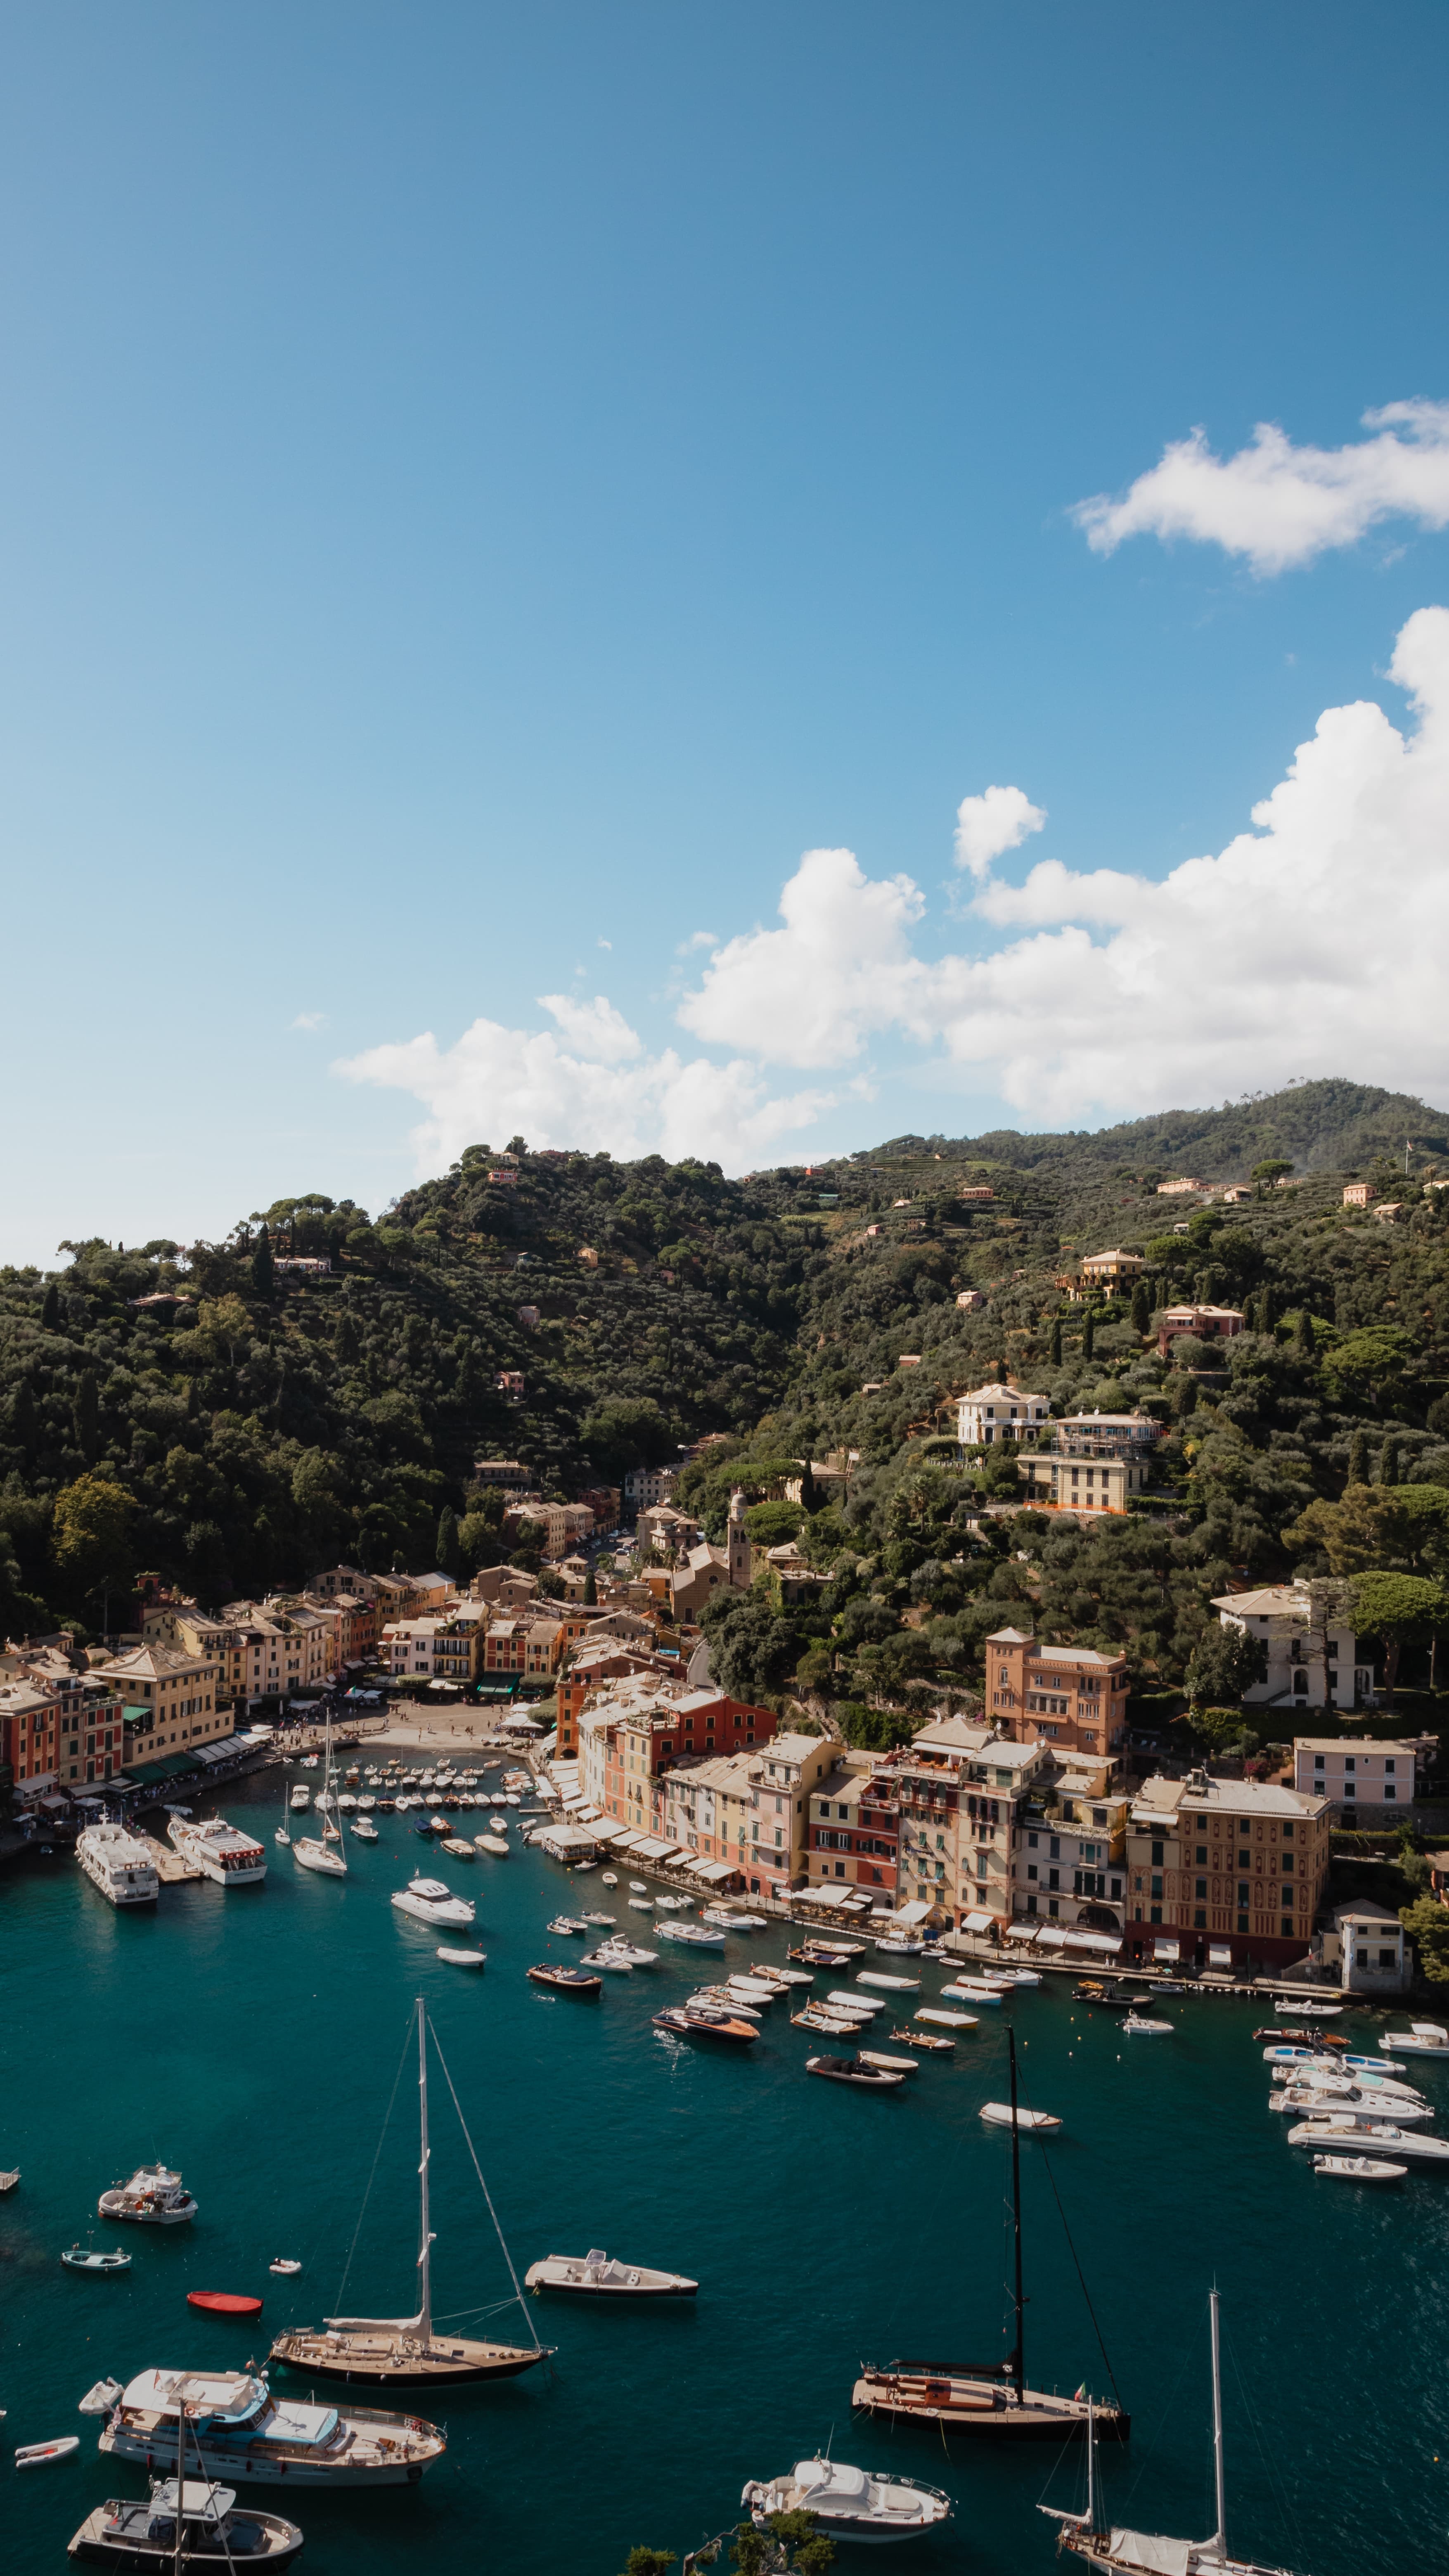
(1300, 1673)
(992, 1413)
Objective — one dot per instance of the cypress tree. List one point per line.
(1389, 1461)
(1141, 1308)
(50, 1309)
(85, 1416)
(591, 1590)
(447, 1540)
(1267, 1310)
(1057, 1343)
(1358, 1458)
(1304, 1337)
(262, 1263)
(1089, 1334)
(809, 1490)
(347, 1341)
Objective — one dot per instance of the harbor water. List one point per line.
(254, 2038)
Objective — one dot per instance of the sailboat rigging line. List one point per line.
(483, 2187)
(1145, 2454)
(1081, 2276)
(372, 2177)
(1277, 2490)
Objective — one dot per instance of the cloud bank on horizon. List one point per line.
(1313, 940)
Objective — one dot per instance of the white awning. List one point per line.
(977, 1922)
(1052, 1936)
(652, 1849)
(1026, 1930)
(714, 1870)
(1220, 1955)
(1165, 1950)
(818, 1895)
(913, 1913)
(623, 1837)
(1108, 1943)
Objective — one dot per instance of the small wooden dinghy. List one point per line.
(925, 2039)
(947, 2020)
(891, 1985)
(461, 1958)
(1359, 2168)
(38, 2455)
(998, 2116)
(83, 2258)
(223, 2303)
(597, 2275)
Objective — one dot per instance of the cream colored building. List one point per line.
(177, 1692)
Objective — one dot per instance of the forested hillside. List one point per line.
(256, 1422)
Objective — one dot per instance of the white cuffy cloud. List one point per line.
(1280, 505)
(1313, 943)
(989, 825)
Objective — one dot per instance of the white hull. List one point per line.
(121, 1868)
(314, 1855)
(253, 2466)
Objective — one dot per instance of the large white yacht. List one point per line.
(240, 2431)
(118, 1864)
(849, 2503)
(219, 1850)
(432, 1902)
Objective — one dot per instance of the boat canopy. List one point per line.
(1146, 2549)
(833, 2478)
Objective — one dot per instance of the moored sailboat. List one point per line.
(406, 2352)
(987, 2398)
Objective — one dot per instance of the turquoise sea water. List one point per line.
(252, 2038)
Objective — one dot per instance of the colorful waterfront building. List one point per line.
(1224, 1873)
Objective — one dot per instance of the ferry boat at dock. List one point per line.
(220, 1851)
(239, 2431)
(118, 1864)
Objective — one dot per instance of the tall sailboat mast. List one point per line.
(425, 2237)
(1220, 2537)
(1019, 2358)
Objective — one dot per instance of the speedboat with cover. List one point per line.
(134, 2537)
(988, 2399)
(154, 2197)
(240, 2431)
(854, 2070)
(597, 2275)
(406, 2352)
(849, 2503)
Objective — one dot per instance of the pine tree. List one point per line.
(50, 1309)
(1358, 1458)
(262, 1273)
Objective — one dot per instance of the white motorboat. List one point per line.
(367, 1803)
(429, 1901)
(596, 2275)
(691, 1936)
(849, 2503)
(645, 1905)
(1421, 2039)
(722, 1999)
(242, 2432)
(892, 1985)
(638, 1887)
(222, 1852)
(971, 1990)
(754, 1990)
(1305, 2099)
(997, 2115)
(856, 2001)
(1332, 2130)
(1349, 2081)
(99, 2399)
(130, 2536)
(1138, 2026)
(1281, 2053)
(301, 1798)
(1359, 2168)
(947, 2020)
(892, 1949)
(497, 1844)
(365, 1831)
(609, 1879)
(608, 1961)
(1296, 2011)
(669, 1904)
(119, 1864)
(154, 2197)
(608, 1920)
(462, 1958)
(893, 2065)
(630, 1952)
(284, 2266)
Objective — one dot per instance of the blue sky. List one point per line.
(478, 484)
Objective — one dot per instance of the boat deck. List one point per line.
(167, 1861)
